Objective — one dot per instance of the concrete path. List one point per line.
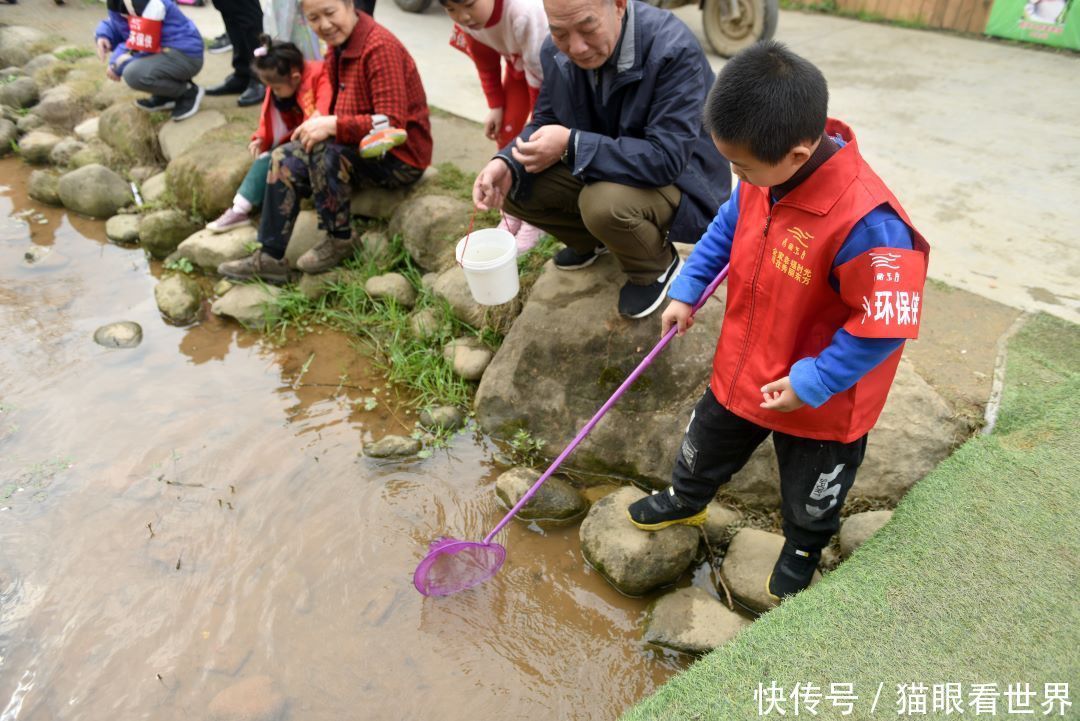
(978, 138)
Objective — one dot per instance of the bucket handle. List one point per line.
(465, 246)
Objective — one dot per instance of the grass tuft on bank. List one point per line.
(972, 581)
(383, 328)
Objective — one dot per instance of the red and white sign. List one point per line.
(144, 31)
(144, 35)
(884, 287)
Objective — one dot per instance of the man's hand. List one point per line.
(255, 147)
(780, 396)
(493, 123)
(112, 74)
(679, 314)
(104, 47)
(543, 149)
(315, 130)
(491, 186)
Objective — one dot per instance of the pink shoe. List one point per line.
(228, 220)
(526, 237)
(510, 224)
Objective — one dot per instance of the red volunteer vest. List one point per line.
(781, 308)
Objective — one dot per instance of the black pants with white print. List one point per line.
(815, 476)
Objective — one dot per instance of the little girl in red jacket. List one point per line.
(495, 33)
(295, 91)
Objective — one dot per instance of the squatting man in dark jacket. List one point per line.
(615, 158)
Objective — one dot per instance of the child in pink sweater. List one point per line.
(492, 32)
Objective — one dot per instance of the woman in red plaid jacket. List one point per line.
(375, 86)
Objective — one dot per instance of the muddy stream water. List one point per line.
(193, 512)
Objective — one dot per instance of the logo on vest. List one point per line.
(786, 258)
(885, 266)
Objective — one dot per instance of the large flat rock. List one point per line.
(175, 138)
(569, 350)
(567, 353)
(634, 561)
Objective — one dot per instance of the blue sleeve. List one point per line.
(709, 255)
(113, 28)
(848, 358)
(117, 52)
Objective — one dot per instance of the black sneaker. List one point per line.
(638, 301)
(793, 571)
(664, 509)
(188, 103)
(220, 44)
(231, 85)
(252, 95)
(570, 259)
(154, 103)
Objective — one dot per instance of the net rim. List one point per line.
(444, 546)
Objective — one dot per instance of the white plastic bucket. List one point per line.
(490, 264)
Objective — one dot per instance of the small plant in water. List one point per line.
(524, 449)
(180, 264)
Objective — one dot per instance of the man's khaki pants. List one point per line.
(631, 222)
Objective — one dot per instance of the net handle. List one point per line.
(645, 363)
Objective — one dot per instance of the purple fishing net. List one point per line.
(452, 565)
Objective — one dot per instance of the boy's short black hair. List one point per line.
(767, 99)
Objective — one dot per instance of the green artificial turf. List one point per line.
(974, 580)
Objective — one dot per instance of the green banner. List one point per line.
(1048, 22)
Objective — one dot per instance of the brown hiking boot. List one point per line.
(259, 265)
(328, 253)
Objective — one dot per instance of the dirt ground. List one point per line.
(957, 346)
(955, 353)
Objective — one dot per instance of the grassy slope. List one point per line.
(974, 579)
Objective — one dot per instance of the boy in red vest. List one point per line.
(825, 286)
